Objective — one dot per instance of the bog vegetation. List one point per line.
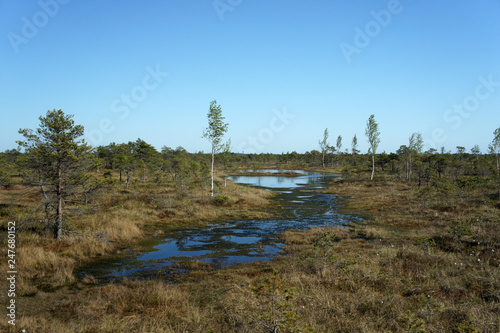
(424, 259)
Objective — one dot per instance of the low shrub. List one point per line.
(220, 200)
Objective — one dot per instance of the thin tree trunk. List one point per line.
(46, 203)
(43, 191)
(408, 163)
(59, 216)
(409, 168)
(373, 166)
(213, 158)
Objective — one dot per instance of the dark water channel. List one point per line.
(233, 242)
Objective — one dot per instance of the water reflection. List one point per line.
(236, 241)
(269, 181)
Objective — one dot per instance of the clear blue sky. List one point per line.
(317, 64)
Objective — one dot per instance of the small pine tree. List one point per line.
(56, 153)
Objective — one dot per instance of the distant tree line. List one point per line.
(65, 169)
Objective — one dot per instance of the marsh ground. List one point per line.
(421, 261)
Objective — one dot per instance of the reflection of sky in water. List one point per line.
(171, 249)
(232, 242)
(266, 181)
(241, 239)
(310, 178)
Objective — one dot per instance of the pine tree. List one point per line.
(56, 153)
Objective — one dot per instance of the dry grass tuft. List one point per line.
(44, 267)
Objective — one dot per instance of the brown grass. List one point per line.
(401, 270)
(116, 218)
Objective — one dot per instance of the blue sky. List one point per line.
(282, 71)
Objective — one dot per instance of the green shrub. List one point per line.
(470, 182)
(412, 323)
(276, 309)
(220, 200)
(460, 229)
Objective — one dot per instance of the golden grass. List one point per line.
(113, 308)
(118, 218)
(44, 266)
(400, 270)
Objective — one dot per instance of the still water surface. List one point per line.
(232, 242)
